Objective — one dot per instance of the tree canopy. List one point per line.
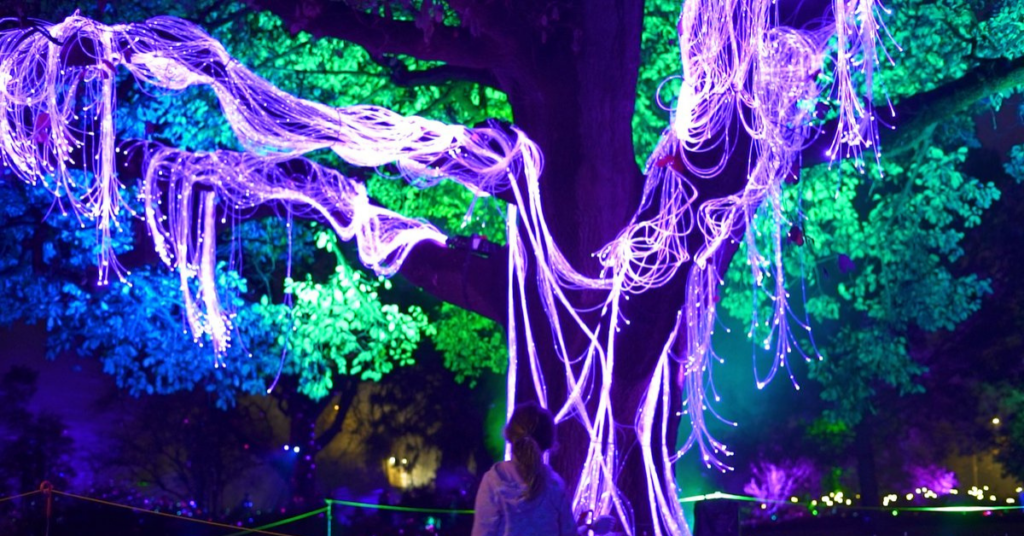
(567, 73)
(90, 320)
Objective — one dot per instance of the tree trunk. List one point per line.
(302, 416)
(577, 105)
(866, 475)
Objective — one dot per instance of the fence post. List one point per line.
(330, 517)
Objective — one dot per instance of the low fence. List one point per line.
(59, 513)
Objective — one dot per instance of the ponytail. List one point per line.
(526, 454)
(531, 430)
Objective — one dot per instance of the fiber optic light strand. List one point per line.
(739, 67)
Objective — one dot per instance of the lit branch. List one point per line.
(915, 117)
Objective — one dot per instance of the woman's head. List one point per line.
(531, 430)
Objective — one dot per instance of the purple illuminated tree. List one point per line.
(609, 283)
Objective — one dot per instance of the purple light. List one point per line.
(776, 483)
(936, 479)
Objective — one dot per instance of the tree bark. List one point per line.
(577, 105)
(303, 415)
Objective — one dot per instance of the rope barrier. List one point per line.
(20, 495)
(398, 508)
(48, 490)
(180, 518)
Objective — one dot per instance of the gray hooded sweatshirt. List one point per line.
(501, 509)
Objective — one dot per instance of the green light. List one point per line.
(398, 508)
(721, 495)
(282, 522)
(962, 509)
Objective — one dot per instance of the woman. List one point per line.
(524, 496)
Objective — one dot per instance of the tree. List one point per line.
(182, 447)
(569, 70)
(35, 448)
(333, 342)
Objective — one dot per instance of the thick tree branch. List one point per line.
(460, 277)
(403, 77)
(346, 397)
(916, 116)
(380, 35)
(925, 110)
(496, 18)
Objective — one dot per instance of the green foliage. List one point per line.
(448, 205)
(470, 343)
(901, 231)
(932, 45)
(941, 41)
(833, 436)
(1000, 28)
(340, 73)
(659, 58)
(329, 71)
(104, 322)
(138, 332)
(341, 327)
(1015, 166)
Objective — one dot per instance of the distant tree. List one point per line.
(1011, 443)
(181, 446)
(426, 402)
(33, 448)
